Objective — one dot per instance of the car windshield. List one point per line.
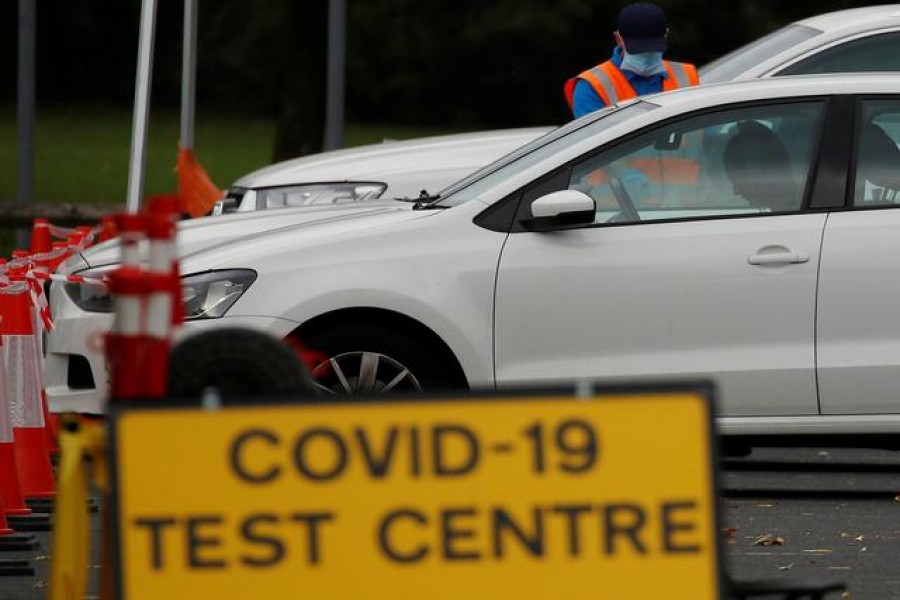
(537, 150)
(737, 62)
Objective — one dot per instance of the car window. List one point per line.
(871, 53)
(537, 150)
(878, 155)
(748, 160)
(737, 62)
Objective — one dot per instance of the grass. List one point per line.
(82, 154)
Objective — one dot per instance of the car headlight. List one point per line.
(206, 295)
(90, 297)
(319, 193)
(209, 295)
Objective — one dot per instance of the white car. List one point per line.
(847, 41)
(855, 40)
(392, 169)
(742, 233)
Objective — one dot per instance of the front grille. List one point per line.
(79, 373)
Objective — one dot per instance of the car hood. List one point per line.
(458, 154)
(208, 233)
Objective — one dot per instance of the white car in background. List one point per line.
(854, 40)
(762, 257)
(391, 169)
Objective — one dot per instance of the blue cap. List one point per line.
(643, 27)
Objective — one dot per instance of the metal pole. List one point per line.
(334, 95)
(25, 108)
(188, 73)
(141, 106)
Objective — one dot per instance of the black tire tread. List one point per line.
(238, 362)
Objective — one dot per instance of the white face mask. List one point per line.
(644, 64)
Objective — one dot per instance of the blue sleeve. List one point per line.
(585, 100)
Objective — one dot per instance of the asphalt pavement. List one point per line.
(817, 515)
(791, 515)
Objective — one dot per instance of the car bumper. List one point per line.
(76, 377)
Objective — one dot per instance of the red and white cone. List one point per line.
(41, 246)
(5, 529)
(62, 251)
(164, 300)
(10, 489)
(23, 389)
(108, 228)
(125, 342)
(41, 240)
(168, 207)
(131, 229)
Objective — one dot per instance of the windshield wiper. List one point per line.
(425, 200)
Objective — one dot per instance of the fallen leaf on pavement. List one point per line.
(767, 539)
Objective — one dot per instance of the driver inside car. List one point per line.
(759, 168)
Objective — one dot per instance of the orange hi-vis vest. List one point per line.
(667, 174)
(613, 87)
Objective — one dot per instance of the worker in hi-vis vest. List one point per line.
(636, 67)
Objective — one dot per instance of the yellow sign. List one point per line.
(611, 496)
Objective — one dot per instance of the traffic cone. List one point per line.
(41, 243)
(164, 293)
(131, 228)
(5, 529)
(10, 541)
(108, 228)
(62, 248)
(40, 236)
(74, 241)
(164, 210)
(197, 194)
(23, 390)
(125, 341)
(10, 489)
(87, 235)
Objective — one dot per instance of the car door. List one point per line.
(688, 270)
(859, 294)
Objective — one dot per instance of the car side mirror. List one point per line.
(225, 205)
(565, 208)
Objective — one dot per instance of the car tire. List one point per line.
(238, 363)
(373, 359)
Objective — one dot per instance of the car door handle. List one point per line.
(777, 258)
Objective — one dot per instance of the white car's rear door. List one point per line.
(859, 314)
(858, 323)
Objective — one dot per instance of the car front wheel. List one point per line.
(372, 360)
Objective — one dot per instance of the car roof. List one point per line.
(768, 55)
(433, 162)
(852, 18)
(443, 154)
